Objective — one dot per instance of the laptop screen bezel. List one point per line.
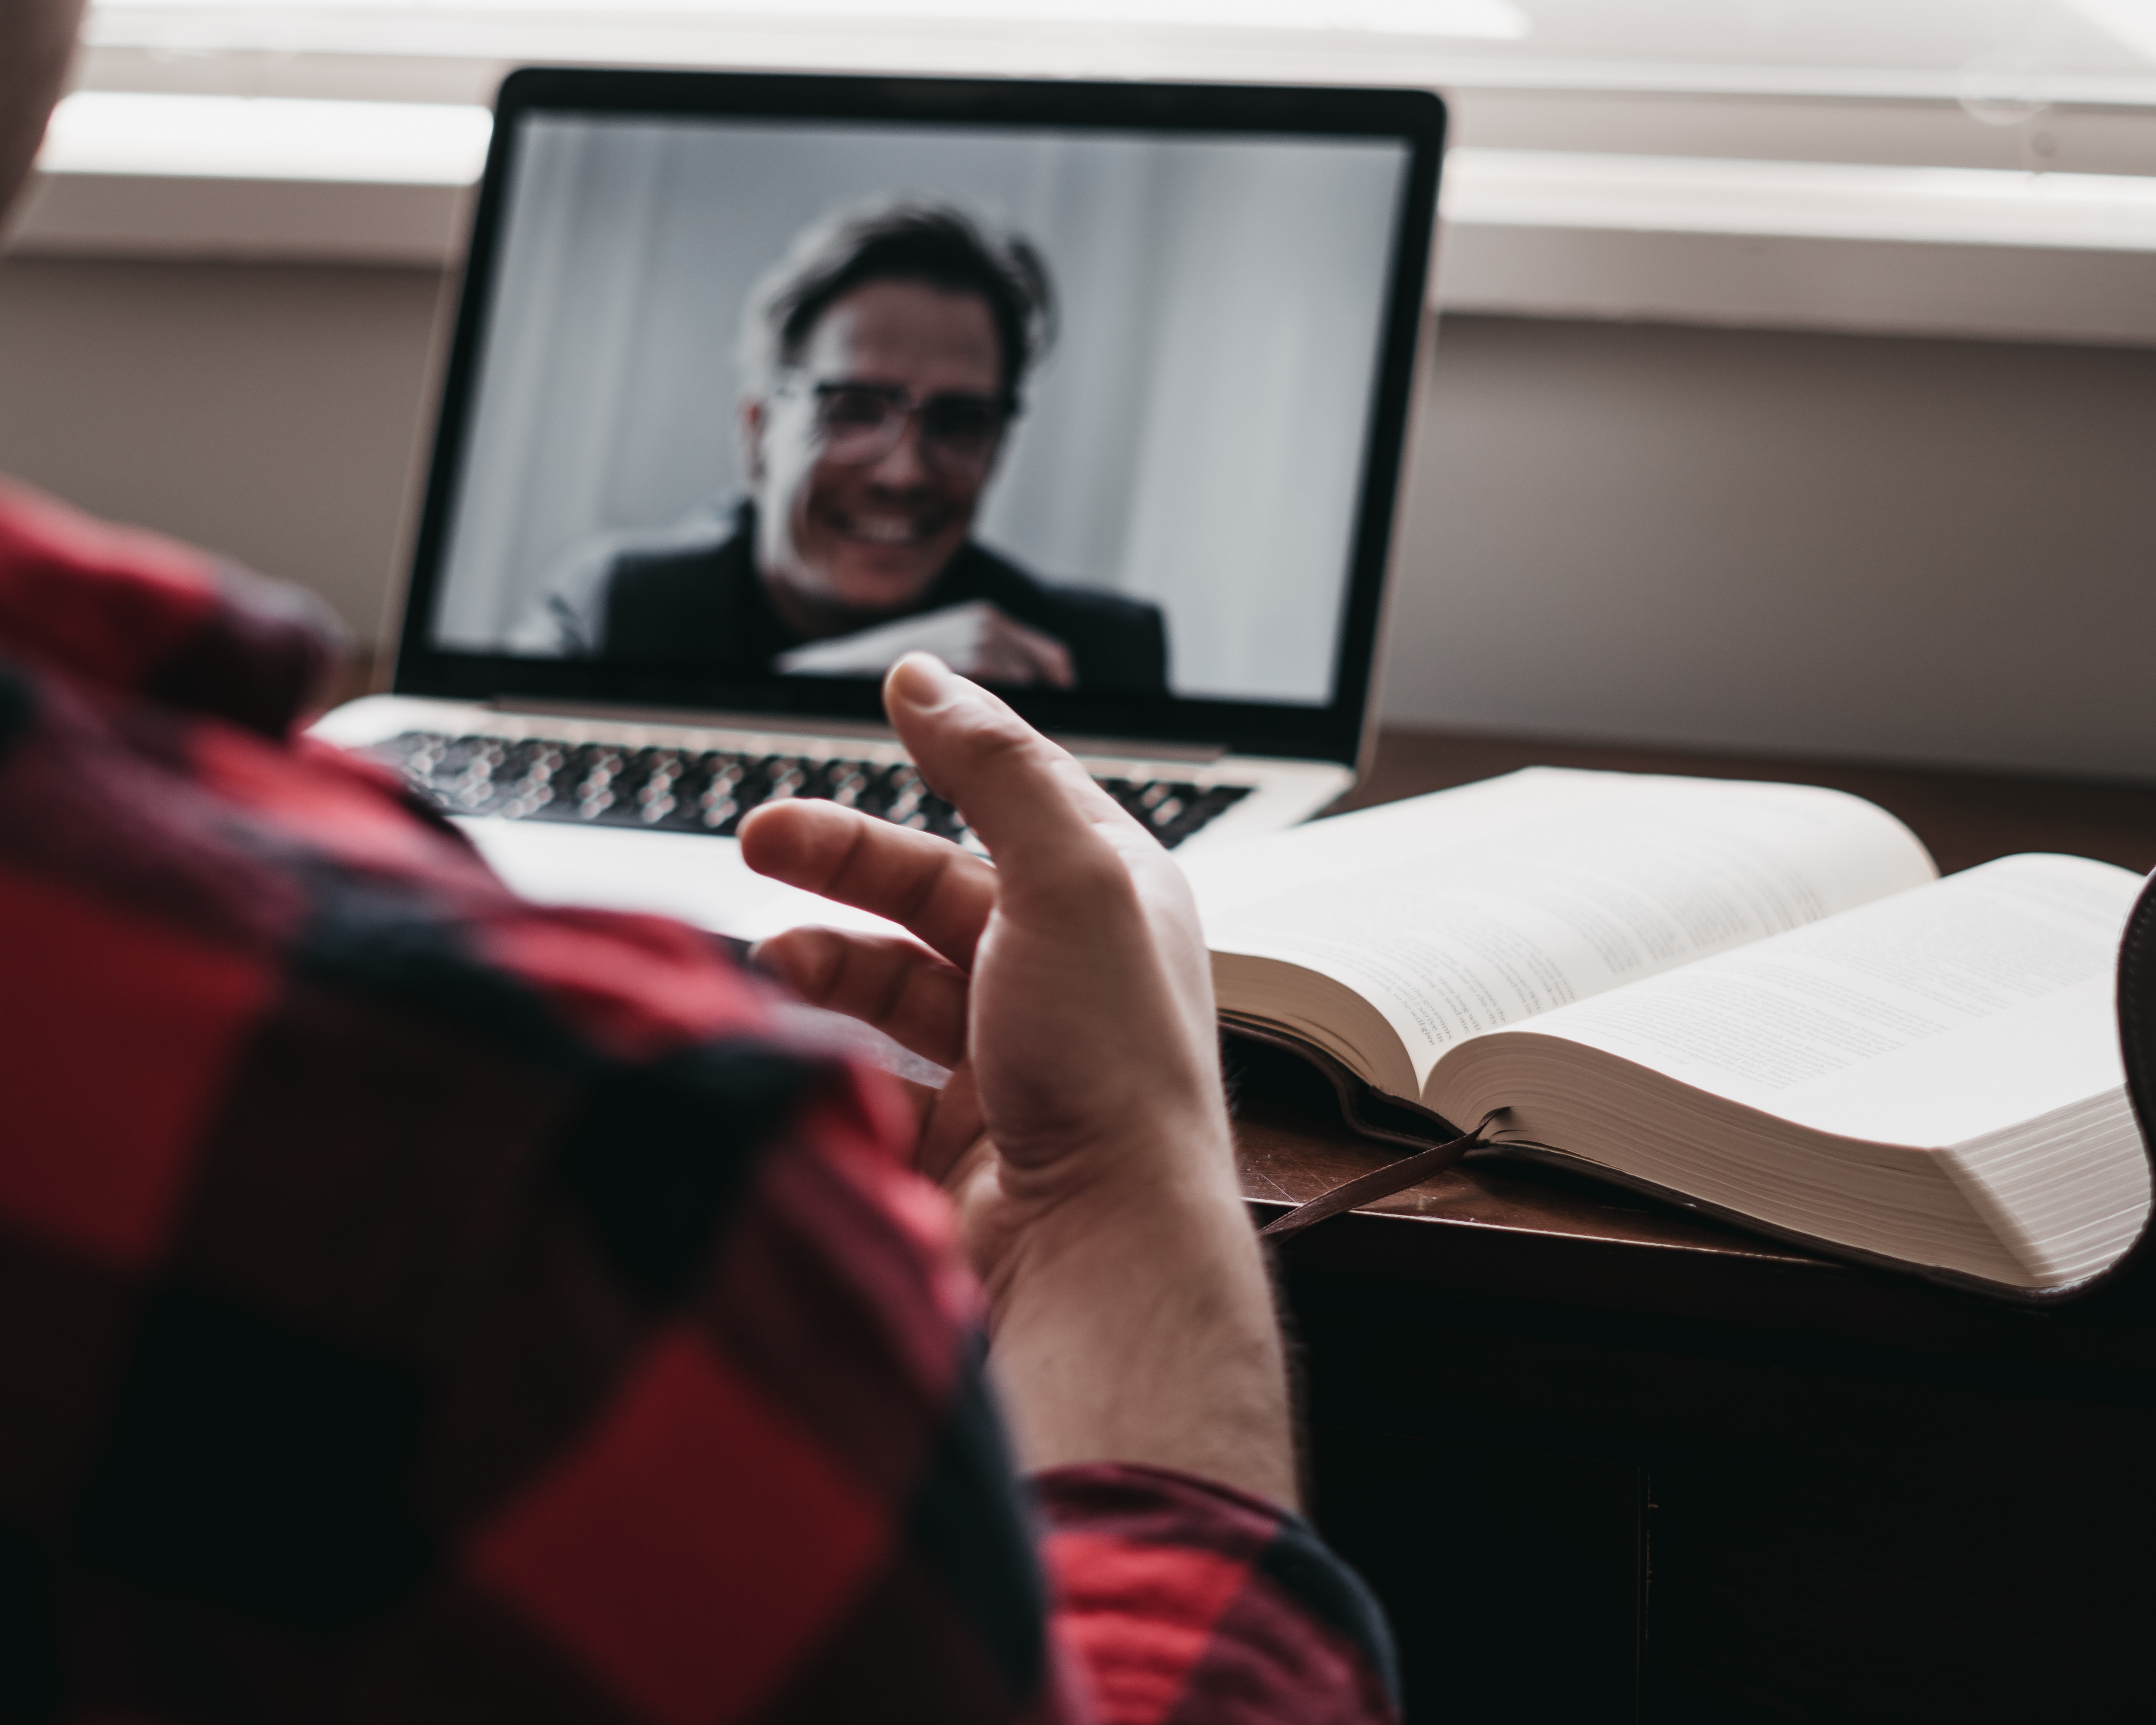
(1330, 732)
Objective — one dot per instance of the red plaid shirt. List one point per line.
(418, 1305)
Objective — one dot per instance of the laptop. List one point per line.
(1098, 391)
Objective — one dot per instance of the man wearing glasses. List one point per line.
(884, 360)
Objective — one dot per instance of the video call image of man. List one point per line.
(884, 361)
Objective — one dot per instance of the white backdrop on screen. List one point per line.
(1195, 438)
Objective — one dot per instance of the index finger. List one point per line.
(927, 885)
(1030, 801)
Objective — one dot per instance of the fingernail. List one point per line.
(921, 680)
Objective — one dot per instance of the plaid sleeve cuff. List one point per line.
(1189, 1603)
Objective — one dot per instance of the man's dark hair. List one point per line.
(905, 240)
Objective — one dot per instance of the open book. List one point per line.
(1759, 1000)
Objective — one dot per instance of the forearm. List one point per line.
(1138, 1326)
(1067, 986)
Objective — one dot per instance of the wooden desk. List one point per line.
(1603, 1459)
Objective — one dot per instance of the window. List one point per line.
(1998, 58)
(1598, 144)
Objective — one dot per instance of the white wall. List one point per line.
(1885, 549)
(270, 414)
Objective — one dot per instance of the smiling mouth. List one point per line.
(887, 526)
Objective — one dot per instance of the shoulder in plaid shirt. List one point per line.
(418, 1305)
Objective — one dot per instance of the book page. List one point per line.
(1960, 1009)
(1464, 912)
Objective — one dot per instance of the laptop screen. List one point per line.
(755, 394)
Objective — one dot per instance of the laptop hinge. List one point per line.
(795, 724)
(695, 718)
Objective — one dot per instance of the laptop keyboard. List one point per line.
(675, 790)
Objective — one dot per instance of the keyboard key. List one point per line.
(672, 790)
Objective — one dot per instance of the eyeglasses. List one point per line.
(859, 423)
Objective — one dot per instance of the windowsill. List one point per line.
(1980, 252)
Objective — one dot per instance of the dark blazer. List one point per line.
(702, 608)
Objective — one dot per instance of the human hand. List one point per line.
(1083, 1134)
(1067, 986)
(976, 640)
